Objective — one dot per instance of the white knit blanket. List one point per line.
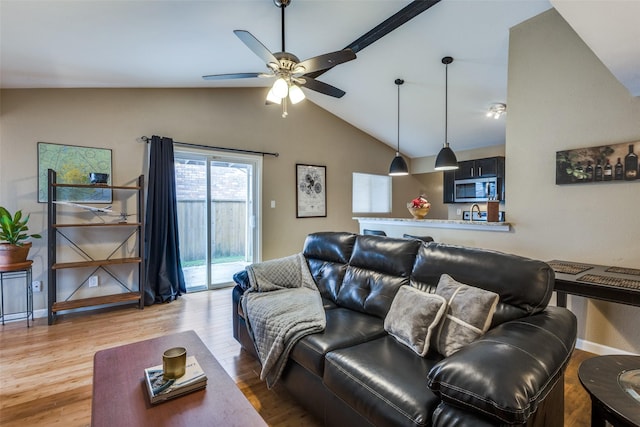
(281, 306)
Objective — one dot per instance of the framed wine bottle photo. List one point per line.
(606, 163)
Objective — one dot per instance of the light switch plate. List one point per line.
(93, 281)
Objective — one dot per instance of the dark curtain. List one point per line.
(164, 279)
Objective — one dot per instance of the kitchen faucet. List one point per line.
(473, 207)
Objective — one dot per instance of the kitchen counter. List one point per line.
(372, 222)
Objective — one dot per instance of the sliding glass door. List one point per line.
(218, 215)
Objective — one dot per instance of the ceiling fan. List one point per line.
(291, 74)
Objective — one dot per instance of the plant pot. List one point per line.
(13, 254)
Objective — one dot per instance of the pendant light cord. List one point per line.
(446, 103)
(446, 158)
(446, 61)
(398, 82)
(398, 120)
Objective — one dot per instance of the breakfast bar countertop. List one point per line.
(437, 223)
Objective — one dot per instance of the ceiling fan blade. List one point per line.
(255, 46)
(328, 60)
(234, 76)
(324, 88)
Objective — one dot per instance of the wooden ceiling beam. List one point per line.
(398, 19)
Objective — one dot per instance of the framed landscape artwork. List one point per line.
(613, 163)
(73, 164)
(311, 191)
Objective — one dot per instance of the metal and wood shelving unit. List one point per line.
(55, 232)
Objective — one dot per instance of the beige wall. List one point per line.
(560, 96)
(431, 188)
(115, 118)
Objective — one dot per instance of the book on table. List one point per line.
(160, 389)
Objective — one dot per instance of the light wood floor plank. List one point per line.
(46, 371)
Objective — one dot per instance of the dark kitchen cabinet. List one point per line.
(465, 170)
(448, 194)
(469, 169)
(480, 168)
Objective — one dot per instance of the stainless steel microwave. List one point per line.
(476, 189)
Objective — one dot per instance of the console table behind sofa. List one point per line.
(613, 284)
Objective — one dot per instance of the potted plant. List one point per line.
(13, 230)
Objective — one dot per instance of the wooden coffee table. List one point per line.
(120, 397)
(609, 402)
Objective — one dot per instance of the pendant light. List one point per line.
(446, 159)
(398, 165)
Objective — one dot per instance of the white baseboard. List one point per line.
(599, 349)
(16, 317)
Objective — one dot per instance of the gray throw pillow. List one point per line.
(468, 316)
(413, 316)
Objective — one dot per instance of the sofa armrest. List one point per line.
(509, 371)
(242, 279)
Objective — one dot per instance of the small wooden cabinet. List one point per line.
(56, 237)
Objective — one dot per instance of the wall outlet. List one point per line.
(458, 211)
(273, 204)
(93, 281)
(36, 286)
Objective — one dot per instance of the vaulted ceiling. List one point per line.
(172, 43)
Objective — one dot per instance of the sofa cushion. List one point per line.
(329, 246)
(413, 317)
(524, 285)
(377, 268)
(384, 381)
(369, 291)
(450, 416)
(344, 328)
(327, 255)
(468, 314)
(386, 255)
(328, 277)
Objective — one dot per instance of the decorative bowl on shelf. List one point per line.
(418, 213)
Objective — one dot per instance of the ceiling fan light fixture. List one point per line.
(296, 94)
(272, 98)
(280, 88)
(290, 73)
(446, 159)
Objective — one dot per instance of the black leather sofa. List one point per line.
(356, 374)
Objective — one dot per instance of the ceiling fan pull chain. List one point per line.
(284, 108)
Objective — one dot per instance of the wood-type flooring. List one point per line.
(46, 371)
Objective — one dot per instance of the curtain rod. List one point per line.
(233, 150)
